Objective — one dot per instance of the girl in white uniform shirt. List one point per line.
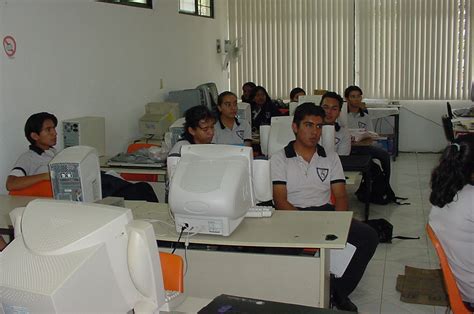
(452, 214)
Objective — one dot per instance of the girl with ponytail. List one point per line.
(452, 214)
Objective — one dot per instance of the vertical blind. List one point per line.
(397, 49)
(290, 43)
(414, 49)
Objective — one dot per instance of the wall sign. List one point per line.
(9, 45)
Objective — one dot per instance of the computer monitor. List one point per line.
(280, 134)
(316, 99)
(211, 188)
(209, 95)
(177, 131)
(244, 112)
(157, 118)
(75, 175)
(71, 257)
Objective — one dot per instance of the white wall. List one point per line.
(80, 57)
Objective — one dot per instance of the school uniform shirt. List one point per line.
(342, 139)
(239, 133)
(360, 120)
(454, 227)
(307, 184)
(176, 150)
(262, 115)
(34, 161)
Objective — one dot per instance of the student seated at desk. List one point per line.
(32, 166)
(304, 176)
(331, 102)
(358, 118)
(263, 108)
(296, 93)
(230, 130)
(198, 128)
(247, 89)
(452, 214)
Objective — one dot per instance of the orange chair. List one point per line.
(139, 176)
(172, 269)
(40, 189)
(455, 300)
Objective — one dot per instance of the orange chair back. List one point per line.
(139, 176)
(455, 300)
(40, 189)
(172, 269)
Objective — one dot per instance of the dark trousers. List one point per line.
(365, 239)
(376, 153)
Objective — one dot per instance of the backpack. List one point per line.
(381, 191)
(384, 230)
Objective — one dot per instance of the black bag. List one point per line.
(385, 230)
(381, 191)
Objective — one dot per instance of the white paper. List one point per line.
(340, 258)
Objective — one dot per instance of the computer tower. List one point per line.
(86, 131)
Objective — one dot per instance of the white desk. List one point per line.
(284, 278)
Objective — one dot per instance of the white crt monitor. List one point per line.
(280, 134)
(211, 188)
(244, 112)
(75, 175)
(70, 257)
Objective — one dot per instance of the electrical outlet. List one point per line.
(218, 46)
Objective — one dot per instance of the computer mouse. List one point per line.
(331, 237)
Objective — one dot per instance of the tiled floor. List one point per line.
(376, 292)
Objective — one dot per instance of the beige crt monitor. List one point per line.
(85, 131)
(158, 118)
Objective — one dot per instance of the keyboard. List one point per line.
(260, 211)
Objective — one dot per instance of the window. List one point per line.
(136, 3)
(197, 7)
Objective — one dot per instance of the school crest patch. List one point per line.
(322, 173)
(337, 140)
(362, 125)
(240, 134)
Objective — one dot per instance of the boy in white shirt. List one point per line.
(332, 105)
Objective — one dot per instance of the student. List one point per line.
(358, 118)
(247, 89)
(263, 108)
(331, 102)
(229, 129)
(452, 214)
(296, 93)
(32, 166)
(198, 128)
(304, 176)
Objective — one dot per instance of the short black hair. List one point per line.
(307, 109)
(333, 95)
(221, 96)
(34, 124)
(295, 91)
(352, 88)
(251, 84)
(192, 117)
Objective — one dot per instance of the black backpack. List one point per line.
(381, 191)
(384, 230)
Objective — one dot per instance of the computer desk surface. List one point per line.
(291, 229)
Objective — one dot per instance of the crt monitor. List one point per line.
(209, 95)
(71, 257)
(75, 175)
(244, 112)
(211, 188)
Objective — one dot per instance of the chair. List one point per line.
(450, 110)
(139, 176)
(455, 301)
(40, 189)
(448, 128)
(172, 269)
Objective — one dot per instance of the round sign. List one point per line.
(9, 45)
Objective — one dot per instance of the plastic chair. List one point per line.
(40, 189)
(450, 110)
(448, 128)
(139, 176)
(455, 301)
(172, 269)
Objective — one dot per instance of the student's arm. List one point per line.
(280, 197)
(18, 183)
(339, 192)
(248, 143)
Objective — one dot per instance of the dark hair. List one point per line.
(350, 89)
(333, 95)
(251, 84)
(295, 91)
(307, 109)
(192, 117)
(454, 171)
(221, 96)
(34, 124)
(254, 93)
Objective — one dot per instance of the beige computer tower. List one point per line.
(87, 131)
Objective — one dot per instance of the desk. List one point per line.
(284, 278)
(158, 187)
(462, 125)
(382, 112)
